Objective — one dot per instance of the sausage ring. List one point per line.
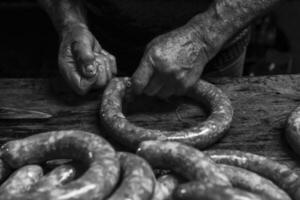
(293, 130)
(164, 188)
(21, 181)
(138, 180)
(241, 179)
(199, 190)
(281, 175)
(227, 173)
(201, 136)
(250, 181)
(4, 171)
(184, 160)
(57, 177)
(96, 183)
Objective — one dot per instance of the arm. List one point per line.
(82, 61)
(174, 61)
(64, 13)
(227, 17)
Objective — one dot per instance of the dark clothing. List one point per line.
(125, 27)
(141, 20)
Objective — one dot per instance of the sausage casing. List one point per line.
(98, 180)
(202, 135)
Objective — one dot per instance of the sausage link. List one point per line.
(198, 190)
(98, 180)
(280, 174)
(253, 182)
(20, 181)
(187, 161)
(57, 177)
(201, 136)
(165, 187)
(4, 171)
(293, 130)
(138, 179)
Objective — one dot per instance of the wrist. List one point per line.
(71, 27)
(206, 35)
(213, 28)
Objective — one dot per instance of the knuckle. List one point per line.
(157, 52)
(88, 56)
(86, 38)
(64, 51)
(180, 76)
(113, 58)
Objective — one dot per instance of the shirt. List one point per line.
(141, 20)
(124, 27)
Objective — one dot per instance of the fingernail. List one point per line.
(90, 70)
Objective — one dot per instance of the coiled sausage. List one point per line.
(96, 183)
(202, 135)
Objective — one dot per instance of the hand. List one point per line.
(82, 61)
(172, 63)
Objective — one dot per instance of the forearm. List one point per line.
(64, 13)
(227, 17)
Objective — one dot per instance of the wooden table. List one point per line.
(262, 105)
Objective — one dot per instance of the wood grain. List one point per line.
(262, 105)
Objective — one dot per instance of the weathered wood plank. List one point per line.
(261, 104)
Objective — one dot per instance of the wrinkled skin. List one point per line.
(173, 62)
(82, 61)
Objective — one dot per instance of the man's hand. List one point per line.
(82, 61)
(172, 63)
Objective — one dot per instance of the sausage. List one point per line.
(165, 187)
(20, 181)
(201, 136)
(199, 190)
(252, 182)
(57, 177)
(281, 175)
(187, 161)
(4, 171)
(138, 179)
(96, 183)
(51, 164)
(292, 132)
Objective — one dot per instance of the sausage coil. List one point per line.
(201, 136)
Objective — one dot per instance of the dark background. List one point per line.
(29, 44)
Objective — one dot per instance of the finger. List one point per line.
(114, 65)
(185, 84)
(83, 52)
(142, 76)
(112, 61)
(101, 77)
(154, 85)
(166, 91)
(81, 85)
(181, 86)
(97, 47)
(71, 75)
(106, 67)
(102, 74)
(108, 72)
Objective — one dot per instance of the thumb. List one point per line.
(142, 76)
(84, 56)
